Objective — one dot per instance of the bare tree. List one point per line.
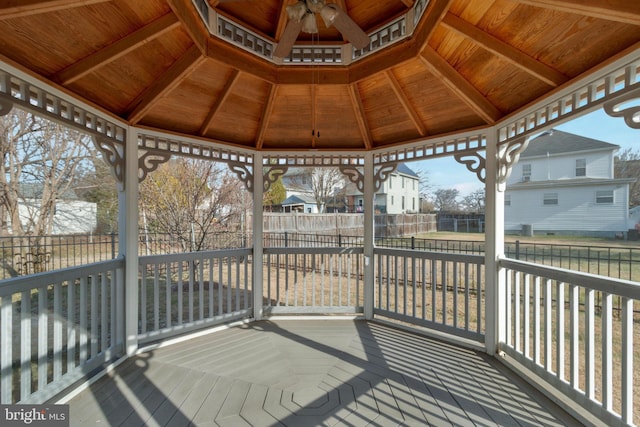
(189, 199)
(627, 165)
(39, 161)
(474, 202)
(446, 199)
(325, 182)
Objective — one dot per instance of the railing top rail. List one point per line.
(420, 253)
(313, 250)
(625, 288)
(191, 256)
(23, 283)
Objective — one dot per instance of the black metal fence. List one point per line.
(35, 254)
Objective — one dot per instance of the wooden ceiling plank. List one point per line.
(266, 116)
(408, 3)
(460, 86)
(10, 9)
(627, 11)
(226, 91)
(358, 109)
(115, 50)
(406, 104)
(516, 57)
(179, 71)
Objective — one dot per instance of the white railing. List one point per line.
(578, 332)
(56, 327)
(184, 292)
(441, 291)
(313, 280)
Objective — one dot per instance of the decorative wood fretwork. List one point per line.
(474, 162)
(148, 161)
(244, 173)
(304, 159)
(508, 155)
(33, 98)
(272, 174)
(357, 177)
(432, 149)
(354, 175)
(626, 106)
(607, 87)
(5, 107)
(113, 154)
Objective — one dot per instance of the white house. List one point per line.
(564, 184)
(400, 193)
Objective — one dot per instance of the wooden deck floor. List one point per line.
(309, 373)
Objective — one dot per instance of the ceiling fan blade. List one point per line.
(349, 29)
(288, 38)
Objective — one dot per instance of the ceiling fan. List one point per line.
(302, 18)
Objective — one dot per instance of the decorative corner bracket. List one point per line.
(508, 155)
(355, 176)
(272, 174)
(150, 161)
(474, 162)
(626, 106)
(113, 154)
(244, 174)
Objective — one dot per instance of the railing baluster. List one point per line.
(57, 331)
(548, 334)
(589, 305)
(25, 343)
(93, 313)
(42, 337)
(560, 352)
(6, 350)
(627, 355)
(527, 316)
(607, 351)
(536, 320)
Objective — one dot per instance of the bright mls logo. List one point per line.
(34, 415)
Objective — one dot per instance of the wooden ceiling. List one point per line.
(467, 64)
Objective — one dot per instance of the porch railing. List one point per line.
(313, 280)
(57, 327)
(183, 292)
(441, 291)
(578, 332)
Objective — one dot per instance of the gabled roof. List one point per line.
(296, 199)
(555, 142)
(406, 170)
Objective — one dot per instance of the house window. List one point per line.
(413, 184)
(507, 199)
(392, 200)
(526, 172)
(413, 203)
(604, 197)
(402, 202)
(390, 182)
(581, 167)
(403, 182)
(550, 199)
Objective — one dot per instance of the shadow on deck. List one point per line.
(309, 373)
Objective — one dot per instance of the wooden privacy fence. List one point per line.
(387, 225)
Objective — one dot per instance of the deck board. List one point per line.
(312, 372)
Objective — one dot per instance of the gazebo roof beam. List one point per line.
(33, 7)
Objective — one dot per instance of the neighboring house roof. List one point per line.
(296, 199)
(559, 142)
(406, 170)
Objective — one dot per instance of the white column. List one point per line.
(258, 191)
(128, 233)
(494, 248)
(369, 236)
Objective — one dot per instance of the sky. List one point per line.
(446, 173)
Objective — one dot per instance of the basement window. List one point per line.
(550, 199)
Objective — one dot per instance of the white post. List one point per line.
(128, 236)
(369, 236)
(258, 258)
(494, 248)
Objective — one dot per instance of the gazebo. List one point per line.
(238, 82)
